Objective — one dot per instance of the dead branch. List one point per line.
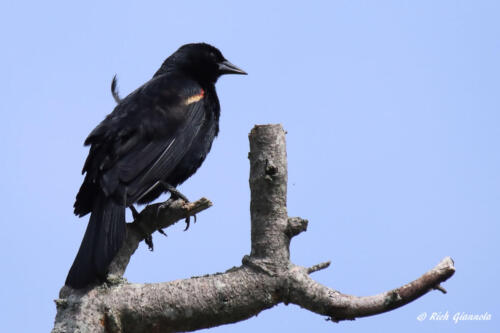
(265, 278)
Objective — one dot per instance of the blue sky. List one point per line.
(393, 116)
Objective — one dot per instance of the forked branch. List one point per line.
(265, 278)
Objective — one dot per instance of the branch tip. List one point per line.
(337, 306)
(295, 226)
(440, 288)
(318, 267)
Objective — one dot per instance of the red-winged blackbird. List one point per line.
(155, 138)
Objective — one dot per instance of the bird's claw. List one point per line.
(188, 221)
(174, 195)
(149, 242)
(148, 238)
(162, 232)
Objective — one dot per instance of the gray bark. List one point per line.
(266, 277)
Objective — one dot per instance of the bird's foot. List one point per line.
(148, 239)
(166, 205)
(174, 195)
(149, 242)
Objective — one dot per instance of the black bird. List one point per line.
(155, 138)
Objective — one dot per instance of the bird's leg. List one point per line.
(148, 239)
(175, 194)
(135, 213)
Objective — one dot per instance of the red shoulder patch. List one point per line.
(195, 98)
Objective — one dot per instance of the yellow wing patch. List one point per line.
(195, 98)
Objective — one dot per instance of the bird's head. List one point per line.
(200, 61)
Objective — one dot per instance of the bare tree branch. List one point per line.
(318, 267)
(337, 306)
(265, 278)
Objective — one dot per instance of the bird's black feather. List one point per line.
(161, 132)
(105, 232)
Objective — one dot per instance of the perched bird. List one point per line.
(155, 139)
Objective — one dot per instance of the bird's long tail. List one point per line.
(103, 238)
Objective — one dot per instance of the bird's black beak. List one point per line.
(226, 67)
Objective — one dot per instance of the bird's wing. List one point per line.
(145, 137)
(168, 154)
